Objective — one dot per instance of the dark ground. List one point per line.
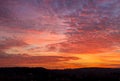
(41, 74)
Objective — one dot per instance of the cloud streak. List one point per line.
(21, 60)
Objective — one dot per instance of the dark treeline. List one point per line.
(41, 74)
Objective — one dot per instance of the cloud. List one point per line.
(7, 43)
(93, 29)
(80, 22)
(31, 22)
(11, 60)
(30, 14)
(57, 27)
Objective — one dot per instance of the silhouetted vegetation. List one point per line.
(41, 74)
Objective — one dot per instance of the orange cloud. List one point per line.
(11, 60)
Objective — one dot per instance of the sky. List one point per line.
(58, 34)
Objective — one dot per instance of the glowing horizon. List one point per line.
(59, 34)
